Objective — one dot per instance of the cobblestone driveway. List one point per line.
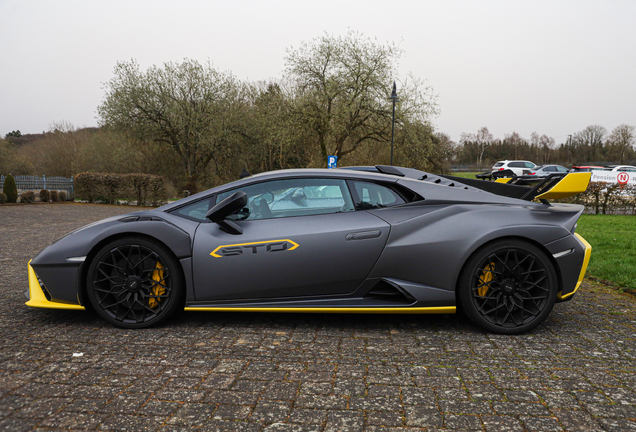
(250, 372)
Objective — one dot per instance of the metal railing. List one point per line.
(36, 183)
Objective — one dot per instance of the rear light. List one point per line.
(501, 169)
(531, 173)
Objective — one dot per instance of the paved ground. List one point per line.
(251, 372)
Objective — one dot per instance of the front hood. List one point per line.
(79, 242)
(103, 221)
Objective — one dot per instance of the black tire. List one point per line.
(508, 287)
(135, 283)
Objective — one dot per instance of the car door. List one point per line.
(516, 167)
(550, 169)
(302, 237)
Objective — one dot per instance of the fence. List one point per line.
(35, 183)
(470, 168)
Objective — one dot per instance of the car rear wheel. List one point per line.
(135, 283)
(508, 287)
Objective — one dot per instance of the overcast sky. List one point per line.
(553, 67)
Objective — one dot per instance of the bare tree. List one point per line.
(447, 146)
(515, 141)
(188, 106)
(482, 139)
(341, 85)
(541, 146)
(590, 141)
(547, 144)
(622, 139)
(13, 163)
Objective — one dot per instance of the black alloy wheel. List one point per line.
(135, 283)
(508, 287)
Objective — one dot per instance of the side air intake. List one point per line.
(386, 291)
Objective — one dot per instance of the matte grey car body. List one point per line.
(359, 256)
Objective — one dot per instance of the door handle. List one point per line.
(363, 235)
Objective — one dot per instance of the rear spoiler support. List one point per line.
(554, 186)
(543, 186)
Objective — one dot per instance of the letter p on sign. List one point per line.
(332, 161)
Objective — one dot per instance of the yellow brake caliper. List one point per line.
(158, 289)
(485, 278)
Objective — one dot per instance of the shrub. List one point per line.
(45, 195)
(10, 189)
(607, 198)
(54, 196)
(27, 197)
(148, 188)
(3, 198)
(98, 187)
(62, 196)
(109, 188)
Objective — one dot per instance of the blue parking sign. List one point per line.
(332, 161)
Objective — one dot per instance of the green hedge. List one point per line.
(45, 195)
(146, 189)
(10, 189)
(27, 197)
(606, 198)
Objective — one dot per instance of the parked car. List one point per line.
(378, 239)
(546, 170)
(587, 168)
(518, 167)
(622, 168)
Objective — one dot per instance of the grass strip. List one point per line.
(613, 240)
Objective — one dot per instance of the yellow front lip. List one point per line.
(586, 261)
(39, 300)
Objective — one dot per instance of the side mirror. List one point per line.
(229, 206)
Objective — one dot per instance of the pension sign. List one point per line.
(620, 177)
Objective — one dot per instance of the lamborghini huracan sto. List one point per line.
(377, 239)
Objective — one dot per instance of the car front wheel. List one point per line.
(135, 283)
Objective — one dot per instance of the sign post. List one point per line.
(332, 161)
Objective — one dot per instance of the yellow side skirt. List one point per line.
(39, 300)
(586, 261)
(366, 310)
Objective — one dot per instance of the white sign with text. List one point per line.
(620, 177)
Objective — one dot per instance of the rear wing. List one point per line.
(569, 185)
(554, 186)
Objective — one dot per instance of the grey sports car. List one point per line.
(359, 240)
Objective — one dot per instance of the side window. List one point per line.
(373, 196)
(516, 165)
(195, 211)
(562, 169)
(550, 168)
(529, 164)
(294, 197)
